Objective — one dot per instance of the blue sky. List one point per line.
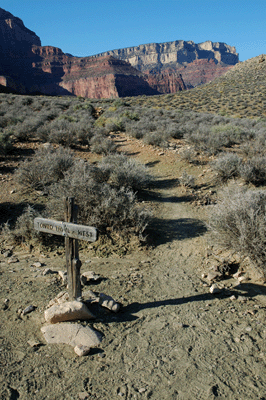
(87, 27)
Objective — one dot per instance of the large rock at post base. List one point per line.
(69, 311)
(71, 334)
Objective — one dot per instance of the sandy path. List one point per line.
(172, 340)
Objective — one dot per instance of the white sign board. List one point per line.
(66, 229)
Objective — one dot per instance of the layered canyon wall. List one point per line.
(28, 67)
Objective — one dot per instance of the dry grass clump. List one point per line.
(238, 222)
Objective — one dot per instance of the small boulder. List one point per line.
(81, 350)
(108, 302)
(214, 276)
(88, 277)
(69, 311)
(215, 289)
(71, 334)
(28, 310)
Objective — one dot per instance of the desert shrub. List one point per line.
(227, 166)
(155, 139)
(46, 166)
(100, 205)
(230, 134)
(187, 180)
(238, 222)
(187, 154)
(135, 130)
(126, 172)
(61, 132)
(254, 171)
(174, 131)
(6, 144)
(24, 230)
(102, 145)
(114, 126)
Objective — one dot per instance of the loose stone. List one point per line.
(108, 302)
(214, 276)
(215, 289)
(33, 343)
(8, 253)
(81, 350)
(62, 297)
(83, 395)
(69, 311)
(13, 260)
(88, 277)
(36, 264)
(48, 271)
(28, 310)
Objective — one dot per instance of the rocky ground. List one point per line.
(172, 338)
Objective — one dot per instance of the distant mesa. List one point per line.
(30, 68)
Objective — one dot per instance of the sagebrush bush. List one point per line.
(238, 222)
(24, 230)
(254, 171)
(48, 165)
(102, 145)
(155, 139)
(6, 143)
(187, 180)
(126, 172)
(227, 166)
(100, 204)
(187, 154)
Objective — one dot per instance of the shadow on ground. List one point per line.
(162, 231)
(127, 313)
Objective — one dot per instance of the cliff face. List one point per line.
(180, 52)
(87, 77)
(27, 67)
(202, 71)
(198, 63)
(167, 81)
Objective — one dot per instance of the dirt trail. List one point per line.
(172, 339)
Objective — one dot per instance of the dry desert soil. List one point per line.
(172, 338)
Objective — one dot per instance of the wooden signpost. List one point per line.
(72, 232)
